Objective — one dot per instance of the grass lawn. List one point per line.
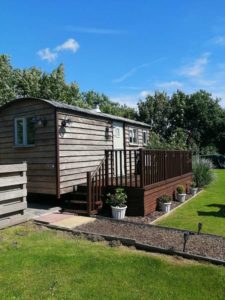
(208, 208)
(43, 264)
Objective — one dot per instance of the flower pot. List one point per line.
(118, 213)
(181, 197)
(193, 191)
(166, 207)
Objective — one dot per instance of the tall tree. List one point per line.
(155, 110)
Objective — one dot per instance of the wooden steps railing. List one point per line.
(96, 181)
(134, 168)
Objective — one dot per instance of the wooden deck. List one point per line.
(142, 170)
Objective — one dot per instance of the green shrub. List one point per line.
(193, 184)
(165, 199)
(117, 199)
(180, 189)
(202, 174)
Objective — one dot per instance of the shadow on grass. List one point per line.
(220, 213)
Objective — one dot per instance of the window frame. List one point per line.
(133, 135)
(25, 131)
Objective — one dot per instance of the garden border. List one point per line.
(173, 210)
(139, 246)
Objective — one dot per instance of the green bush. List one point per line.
(193, 184)
(202, 174)
(180, 189)
(117, 199)
(165, 199)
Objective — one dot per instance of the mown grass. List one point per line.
(208, 208)
(44, 264)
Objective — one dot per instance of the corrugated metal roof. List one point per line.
(62, 105)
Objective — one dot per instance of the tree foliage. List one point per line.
(195, 121)
(33, 82)
(179, 121)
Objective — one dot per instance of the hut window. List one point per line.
(144, 134)
(133, 135)
(24, 131)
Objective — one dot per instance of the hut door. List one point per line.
(118, 144)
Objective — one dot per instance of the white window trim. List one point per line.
(132, 143)
(146, 142)
(24, 144)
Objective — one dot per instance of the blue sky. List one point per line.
(122, 48)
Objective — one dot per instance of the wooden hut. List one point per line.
(66, 147)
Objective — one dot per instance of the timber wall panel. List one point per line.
(82, 145)
(168, 187)
(40, 158)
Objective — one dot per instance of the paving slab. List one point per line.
(53, 217)
(73, 221)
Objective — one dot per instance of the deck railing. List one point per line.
(135, 168)
(139, 168)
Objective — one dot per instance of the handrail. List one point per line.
(95, 183)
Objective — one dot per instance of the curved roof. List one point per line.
(65, 106)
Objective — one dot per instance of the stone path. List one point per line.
(64, 220)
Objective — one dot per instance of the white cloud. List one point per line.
(47, 54)
(69, 45)
(94, 30)
(144, 93)
(197, 67)
(51, 55)
(129, 73)
(134, 70)
(169, 84)
(219, 40)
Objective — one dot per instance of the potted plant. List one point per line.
(181, 195)
(165, 203)
(118, 203)
(193, 188)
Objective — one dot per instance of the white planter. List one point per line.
(118, 213)
(193, 191)
(181, 197)
(166, 207)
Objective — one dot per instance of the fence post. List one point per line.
(25, 184)
(165, 165)
(107, 168)
(181, 163)
(89, 194)
(142, 168)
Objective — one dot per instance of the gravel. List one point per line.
(203, 244)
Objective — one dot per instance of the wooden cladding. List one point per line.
(82, 146)
(13, 193)
(40, 157)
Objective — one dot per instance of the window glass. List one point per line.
(144, 137)
(24, 131)
(30, 131)
(133, 135)
(19, 131)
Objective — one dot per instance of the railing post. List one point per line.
(107, 168)
(142, 168)
(89, 194)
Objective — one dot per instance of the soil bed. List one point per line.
(204, 245)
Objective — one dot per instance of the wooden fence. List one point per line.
(13, 193)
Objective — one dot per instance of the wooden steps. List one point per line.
(76, 202)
